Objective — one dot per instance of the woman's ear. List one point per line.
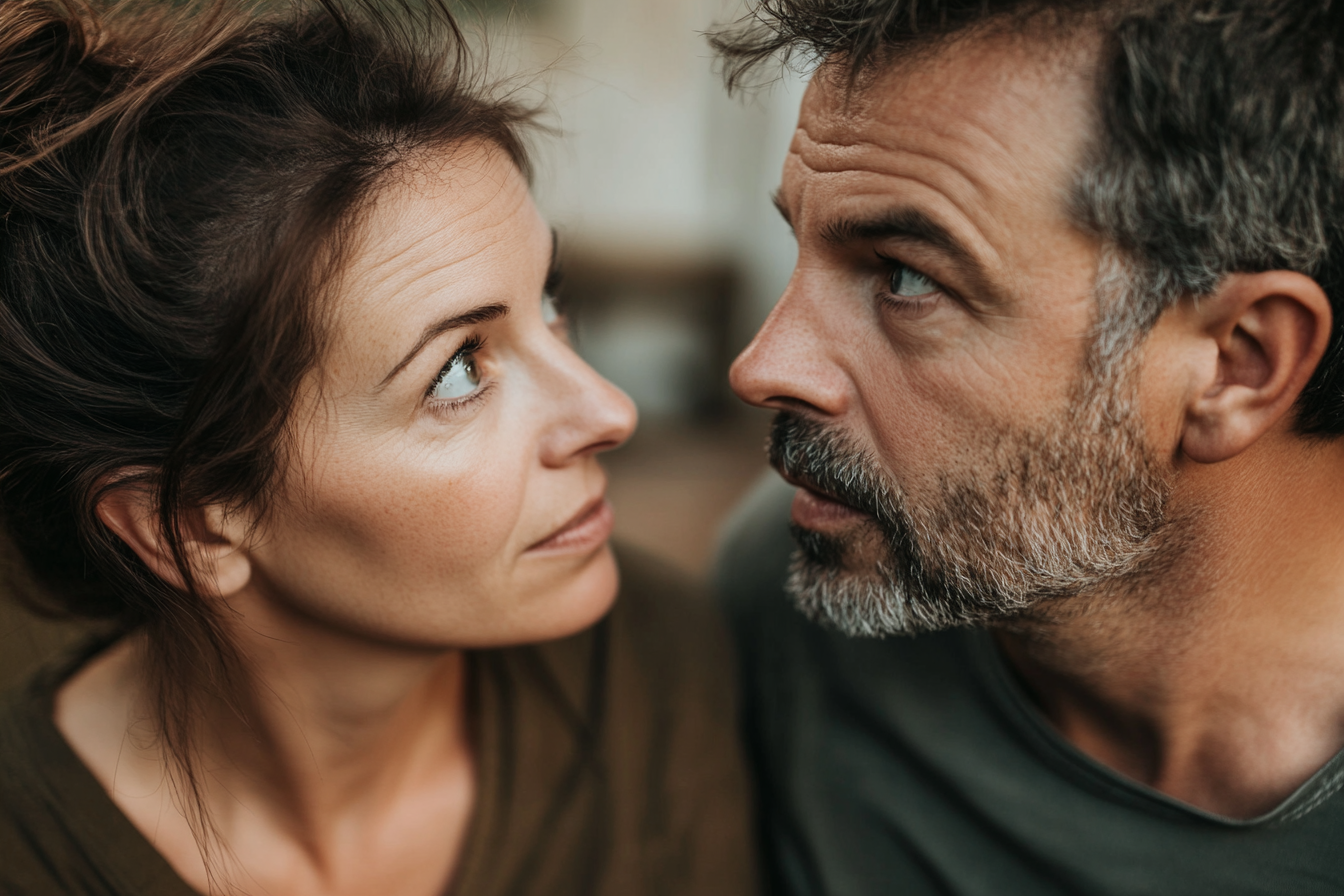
(211, 538)
(1270, 331)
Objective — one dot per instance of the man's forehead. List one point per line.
(971, 153)
(1013, 102)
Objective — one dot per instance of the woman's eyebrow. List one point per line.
(479, 315)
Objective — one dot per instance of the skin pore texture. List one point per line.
(436, 500)
(944, 297)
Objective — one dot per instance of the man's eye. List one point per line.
(458, 380)
(910, 284)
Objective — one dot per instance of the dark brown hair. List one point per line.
(1221, 140)
(175, 186)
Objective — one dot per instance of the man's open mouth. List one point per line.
(819, 510)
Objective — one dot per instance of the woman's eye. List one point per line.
(910, 284)
(550, 309)
(458, 380)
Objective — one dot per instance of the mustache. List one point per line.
(807, 452)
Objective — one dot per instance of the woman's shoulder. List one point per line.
(662, 645)
(667, 618)
(25, 835)
(646, 695)
(654, 589)
(59, 830)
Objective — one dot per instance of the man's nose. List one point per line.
(791, 362)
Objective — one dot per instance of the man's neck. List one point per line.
(1216, 681)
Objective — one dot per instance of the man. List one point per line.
(1060, 390)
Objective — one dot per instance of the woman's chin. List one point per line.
(573, 601)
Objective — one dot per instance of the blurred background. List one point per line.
(659, 184)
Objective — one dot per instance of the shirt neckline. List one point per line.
(997, 677)
(116, 845)
(112, 843)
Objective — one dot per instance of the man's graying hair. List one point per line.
(1221, 138)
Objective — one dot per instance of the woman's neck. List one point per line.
(333, 718)
(337, 758)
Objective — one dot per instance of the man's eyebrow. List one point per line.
(905, 224)
(479, 315)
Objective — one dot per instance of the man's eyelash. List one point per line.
(893, 264)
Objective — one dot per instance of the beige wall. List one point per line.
(655, 158)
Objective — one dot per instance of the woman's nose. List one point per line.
(596, 416)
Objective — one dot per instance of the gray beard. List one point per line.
(1073, 507)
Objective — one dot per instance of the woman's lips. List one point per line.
(813, 510)
(587, 529)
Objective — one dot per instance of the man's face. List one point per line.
(934, 351)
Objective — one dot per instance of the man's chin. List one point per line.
(857, 586)
(856, 549)
(848, 601)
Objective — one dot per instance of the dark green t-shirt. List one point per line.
(913, 766)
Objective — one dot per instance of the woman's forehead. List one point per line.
(441, 226)
(440, 237)
(438, 215)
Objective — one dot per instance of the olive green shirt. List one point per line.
(914, 766)
(607, 762)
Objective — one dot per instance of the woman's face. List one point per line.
(445, 489)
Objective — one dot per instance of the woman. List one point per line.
(288, 404)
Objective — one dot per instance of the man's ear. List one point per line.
(211, 537)
(1270, 331)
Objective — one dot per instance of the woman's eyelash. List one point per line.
(554, 289)
(471, 346)
(554, 280)
(457, 405)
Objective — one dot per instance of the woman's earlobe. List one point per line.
(221, 566)
(222, 548)
(1271, 330)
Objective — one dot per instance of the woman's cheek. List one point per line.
(467, 512)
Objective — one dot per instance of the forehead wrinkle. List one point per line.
(844, 149)
(436, 225)
(842, 156)
(410, 259)
(377, 287)
(1007, 109)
